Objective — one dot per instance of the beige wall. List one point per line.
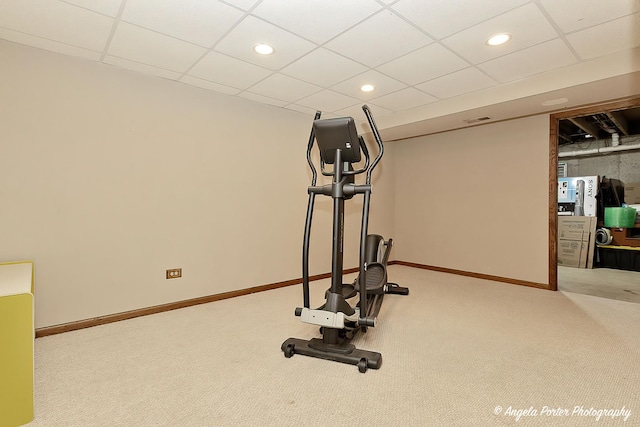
(476, 199)
(109, 178)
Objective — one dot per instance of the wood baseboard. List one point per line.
(472, 274)
(110, 318)
(102, 320)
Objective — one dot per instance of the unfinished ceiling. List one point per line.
(603, 125)
(427, 60)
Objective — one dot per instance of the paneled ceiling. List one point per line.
(428, 60)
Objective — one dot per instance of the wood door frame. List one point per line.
(554, 119)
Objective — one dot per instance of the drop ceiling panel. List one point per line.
(57, 21)
(240, 41)
(442, 18)
(141, 68)
(148, 47)
(379, 39)
(323, 67)
(316, 20)
(527, 62)
(283, 87)
(527, 25)
(47, 44)
(573, 15)
(328, 100)
(206, 84)
(242, 4)
(620, 34)
(458, 83)
(263, 99)
(195, 21)
(404, 99)
(225, 70)
(383, 85)
(107, 7)
(356, 112)
(412, 50)
(424, 64)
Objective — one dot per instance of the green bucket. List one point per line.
(619, 217)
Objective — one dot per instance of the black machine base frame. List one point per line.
(346, 353)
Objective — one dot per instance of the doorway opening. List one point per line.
(598, 143)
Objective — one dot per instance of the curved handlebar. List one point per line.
(312, 138)
(376, 136)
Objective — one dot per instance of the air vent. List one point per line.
(477, 120)
(562, 170)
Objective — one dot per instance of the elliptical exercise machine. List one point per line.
(339, 321)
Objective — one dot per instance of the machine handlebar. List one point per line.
(376, 136)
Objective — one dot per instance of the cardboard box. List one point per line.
(632, 193)
(568, 192)
(576, 241)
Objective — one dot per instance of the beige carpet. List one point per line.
(456, 352)
(601, 282)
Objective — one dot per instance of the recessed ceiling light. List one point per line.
(499, 39)
(263, 49)
(367, 88)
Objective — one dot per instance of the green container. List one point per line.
(619, 217)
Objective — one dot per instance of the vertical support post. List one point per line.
(363, 238)
(338, 226)
(305, 252)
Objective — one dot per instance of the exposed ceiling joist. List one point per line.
(586, 126)
(620, 121)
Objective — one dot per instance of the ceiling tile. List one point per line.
(107, 7)
(424, 64)
(442, 18)
(404, 99)
(228, 71)
(141, 68)
(537, 59)
(148, 47)
(242, 4)
(328, 101)
(206, 84)
(330, 17)
(251, 31)
(527, 25)
(313, 68)
(311, 112)
(52, 19)
(356, 112)
(263, 99)
(383, 85)
(572, 15)
(195, 21)
(379, 39)
(454, 84)
(620, 34)
(50, 45)
(285, 88)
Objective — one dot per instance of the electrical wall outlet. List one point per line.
(174, 273)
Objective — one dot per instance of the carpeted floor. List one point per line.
(456, 352)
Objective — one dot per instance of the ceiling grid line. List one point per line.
(424, 59)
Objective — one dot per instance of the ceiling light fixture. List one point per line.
(367, 88)
(498, 39)
(263, 49)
